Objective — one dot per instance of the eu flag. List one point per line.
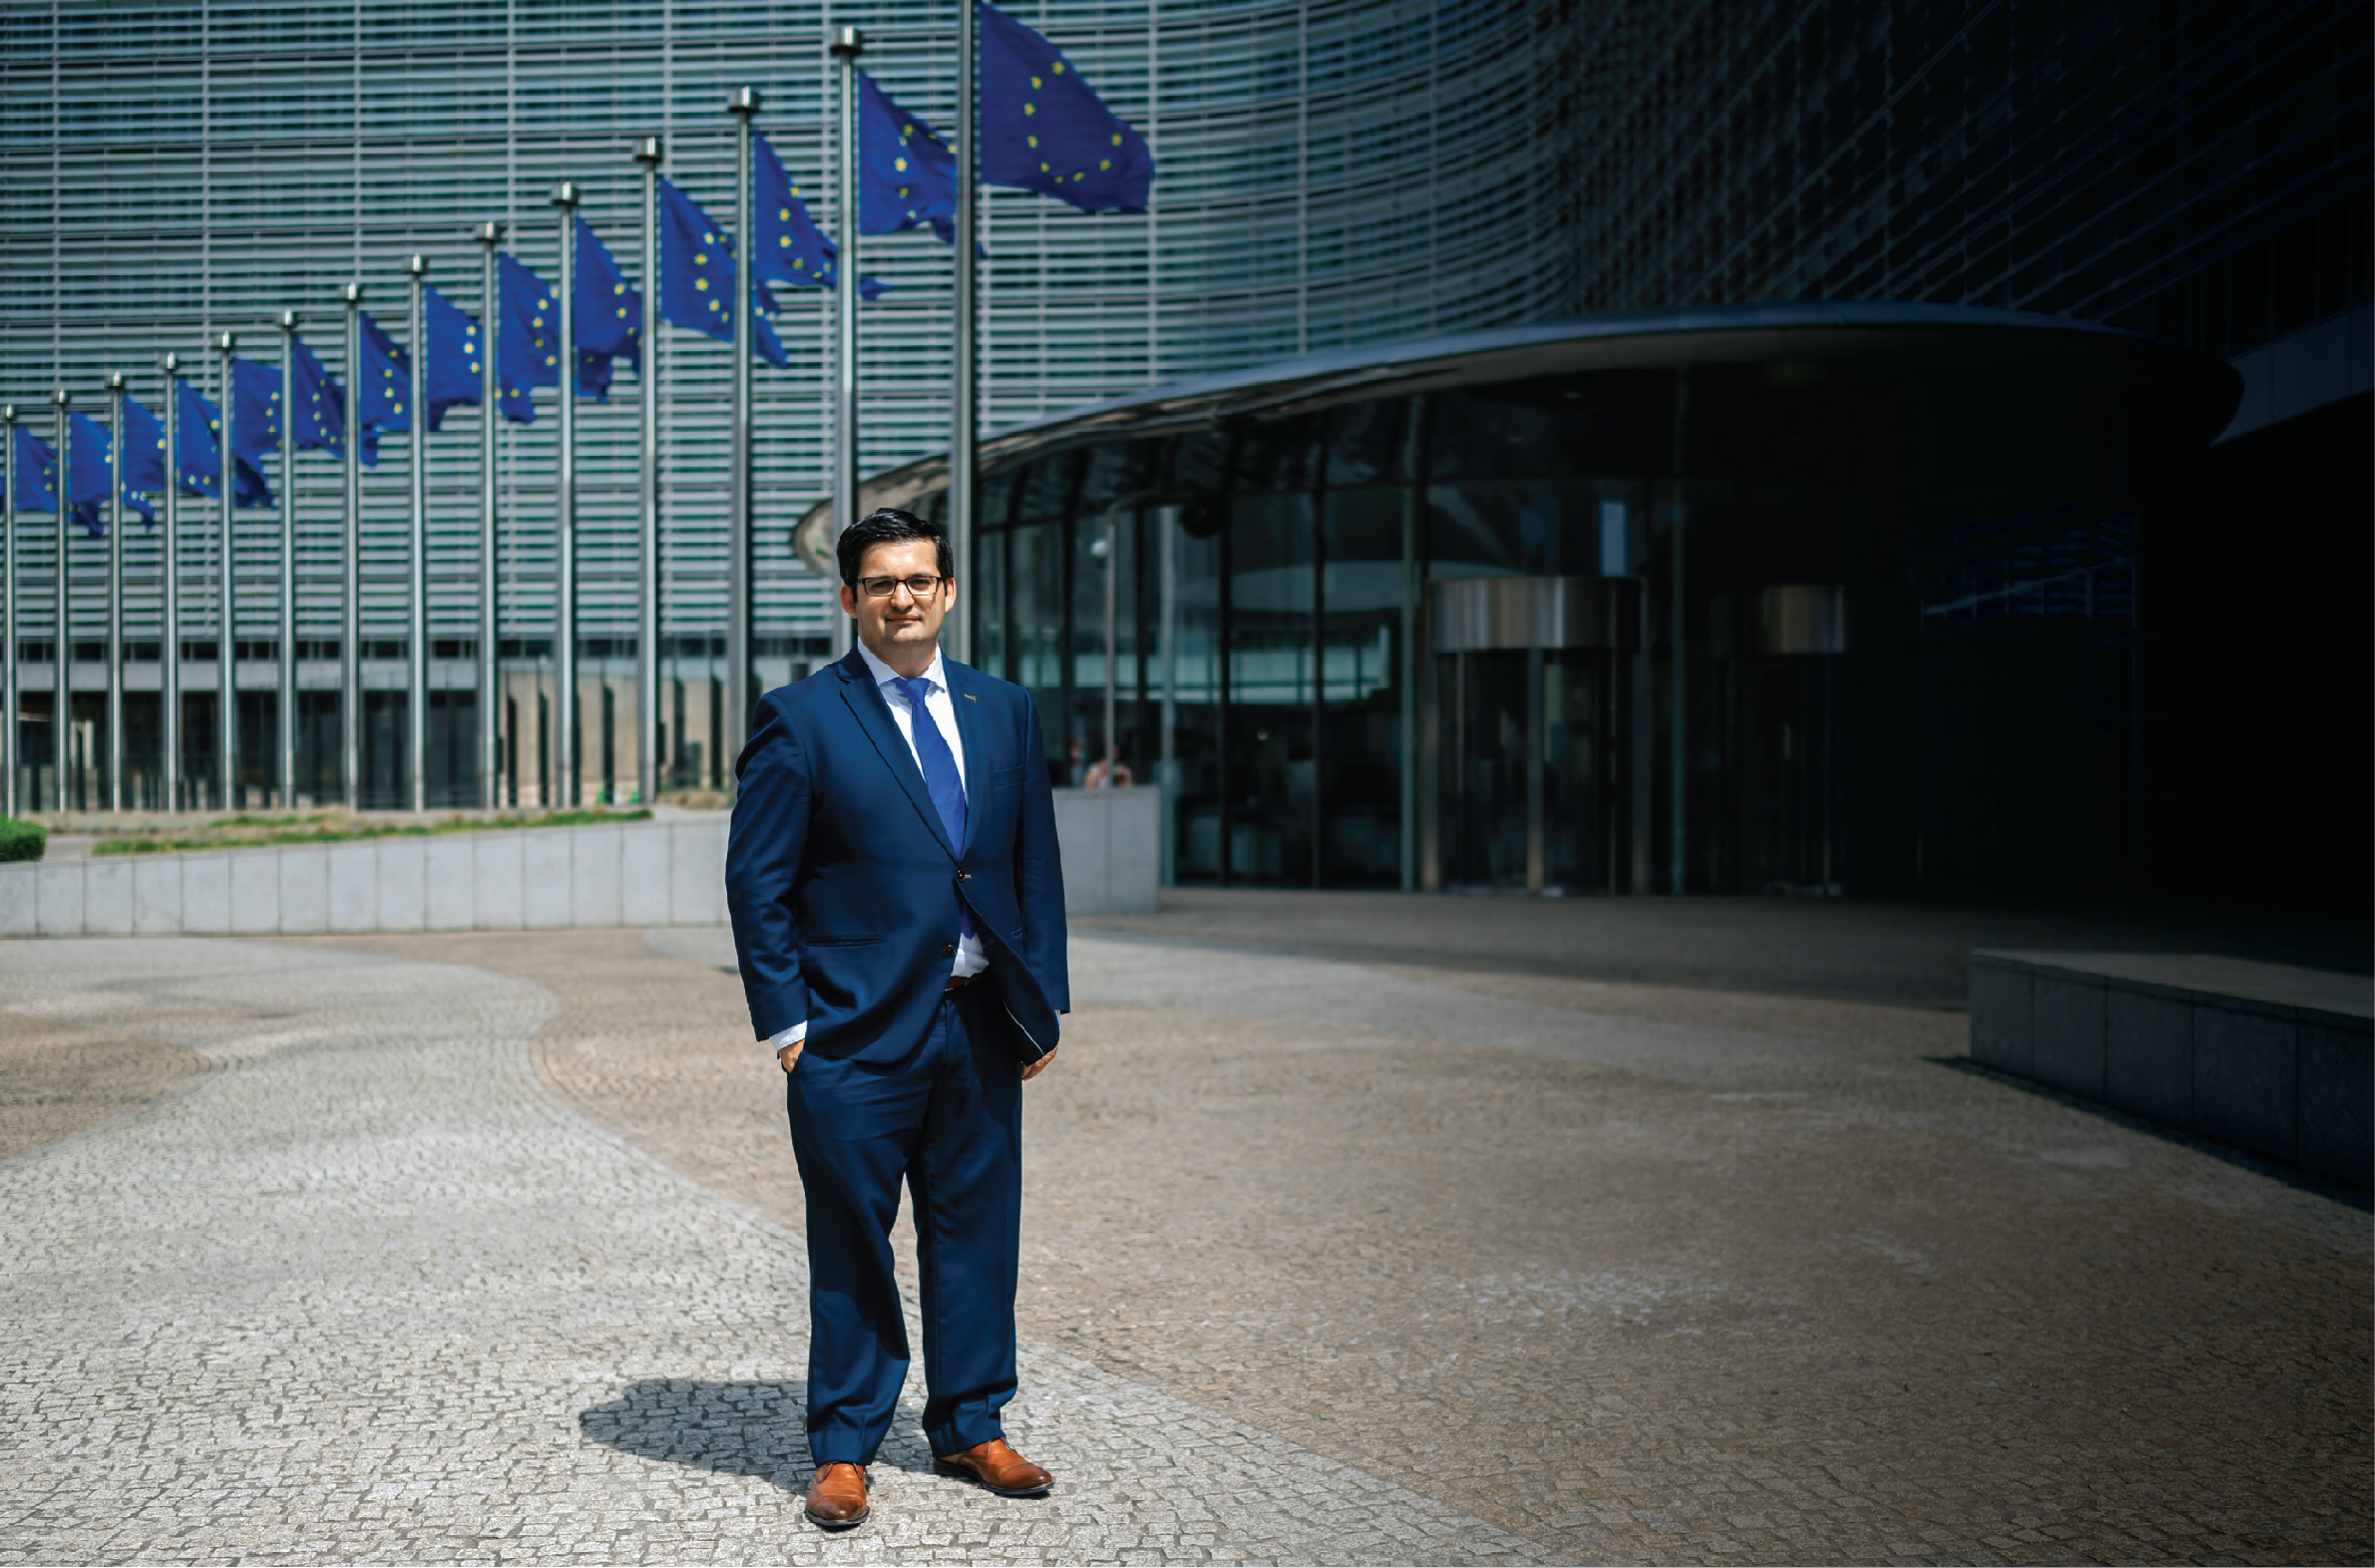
(454, 360)
(381, 384)
(197, 464)
(697, 278)
(201, 457)
(792, 249)
(907, 177)
(36, 471)
(527, 338)
(607, 316)
(144, 457)
(1043, 129)
(256, 428)
(319, 404)
(87, 473)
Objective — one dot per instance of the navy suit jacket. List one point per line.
(845, 888)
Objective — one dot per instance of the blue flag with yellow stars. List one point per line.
(697, 278)
(255, 426)
(196, 464)
(320, 404)
(527, 338)
(1044, 130)
(88, 471)
(607, 316)
(36, 471)
(381, 384)
(454, 356)
(199, 461)
(144, 457)
(792, 249)
(907, 177)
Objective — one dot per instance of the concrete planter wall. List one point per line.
(2277, 1060)
(667, 873)
(1112, 850)
(629, 873)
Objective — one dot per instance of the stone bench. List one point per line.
(2277, 1060)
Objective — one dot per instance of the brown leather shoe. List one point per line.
(1000, 1468)
(837, 1496)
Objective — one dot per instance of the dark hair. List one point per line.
(888, 526)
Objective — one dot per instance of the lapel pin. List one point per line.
(969, 697)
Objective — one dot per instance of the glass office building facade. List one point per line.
(1329, 173)
(1693, 602)
(2112, 652)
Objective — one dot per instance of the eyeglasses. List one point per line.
(884, 587)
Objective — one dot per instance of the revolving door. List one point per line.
(1528, 718)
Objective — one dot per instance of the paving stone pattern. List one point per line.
(366, 1289)
(1640, 1272)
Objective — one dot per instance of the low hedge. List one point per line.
(22, 840)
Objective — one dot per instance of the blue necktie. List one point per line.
(940, 766)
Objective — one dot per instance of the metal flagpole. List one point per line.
(741, 590)
(648, 774)
(565, 523)
(62, 647)
(8, 610)
(847, 44)
(227, 631)
(964, 418)
(351, 640)
(490, 601)
(117, 457)
(168, 611)
(285, 705)
(416, 698)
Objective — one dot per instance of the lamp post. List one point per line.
(490, 648)
(565, 523)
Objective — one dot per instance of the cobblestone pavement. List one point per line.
(1629, 1273)
(1639, 1273)
(366, 1289)
(59, 1077)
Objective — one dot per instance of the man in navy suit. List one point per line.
(898, 911)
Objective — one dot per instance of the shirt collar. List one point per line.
(936, 677)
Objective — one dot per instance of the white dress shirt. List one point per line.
(942, 708)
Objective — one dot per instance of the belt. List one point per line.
(959, 983)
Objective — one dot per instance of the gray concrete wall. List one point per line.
(668, 873)
(1112, 841)
(2277, 1060)
(664, 873)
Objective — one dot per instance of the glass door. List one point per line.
(1530, 759)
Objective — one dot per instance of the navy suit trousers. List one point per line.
(947, 1120)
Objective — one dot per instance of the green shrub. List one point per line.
(22, 840)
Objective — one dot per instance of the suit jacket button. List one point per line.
(947, 950)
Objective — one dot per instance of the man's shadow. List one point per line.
(734, 1428)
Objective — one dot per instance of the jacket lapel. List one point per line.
(976, 735)
(873, 717)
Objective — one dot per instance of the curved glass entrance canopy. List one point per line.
(1807, 597)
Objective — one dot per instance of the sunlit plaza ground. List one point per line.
(1359, 1228)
